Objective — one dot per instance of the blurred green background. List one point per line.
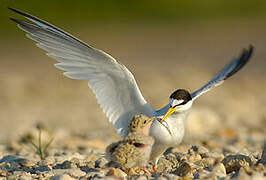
(167, 44)
(147, 11)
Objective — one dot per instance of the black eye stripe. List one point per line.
(183, 103)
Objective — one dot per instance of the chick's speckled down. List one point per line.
(135, 149)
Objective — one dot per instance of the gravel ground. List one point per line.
(229, 154)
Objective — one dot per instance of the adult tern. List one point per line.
(114, 85)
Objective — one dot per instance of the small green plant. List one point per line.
(40, 148)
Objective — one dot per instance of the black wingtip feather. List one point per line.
(45, 26)
(242, 60)
(21, 13)
(15, 20)
(12, 9)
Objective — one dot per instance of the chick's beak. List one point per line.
(169, 112)
(146, 129)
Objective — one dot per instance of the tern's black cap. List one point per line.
(181, 94)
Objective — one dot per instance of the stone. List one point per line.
(25, 163)
(61, 177)
(116, 173)
(168, 176)
(65, 165)
(142, 177)
(205, 162)
(100, 162)
(183, 170)
(194, 158)
(263, 155)
(47, 162)
(164, 165)
(235, 162)
(76, 173)
(219, 170)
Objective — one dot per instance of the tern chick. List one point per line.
(136, 148)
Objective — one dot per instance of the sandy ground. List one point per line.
(163, 58)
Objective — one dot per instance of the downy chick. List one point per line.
(135, 149)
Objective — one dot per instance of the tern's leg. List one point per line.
(154, 168)
(157, 151)
(139, 170)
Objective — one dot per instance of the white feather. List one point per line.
(112, 83)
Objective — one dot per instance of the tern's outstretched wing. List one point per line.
(113, 84)
(233, 67)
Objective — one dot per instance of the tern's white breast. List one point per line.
(176, 125)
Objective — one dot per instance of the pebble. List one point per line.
(263, 155)
(219, 170)
(164, 165)
(168, 176)
(61, 177)
(143, 177)
(183, 170)
(216, 156)
(194, 158)
(116, 173)
(235, 162)
(100, 163)
(66, 165)
(72, 172)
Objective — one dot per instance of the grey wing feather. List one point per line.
(112, 83)
(233, 67)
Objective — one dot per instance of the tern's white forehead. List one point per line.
(175, 102)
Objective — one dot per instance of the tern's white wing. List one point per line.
(233, 67)
(113, 84)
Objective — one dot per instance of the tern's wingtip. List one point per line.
(13, 9)
(251, 48)
(14, 20)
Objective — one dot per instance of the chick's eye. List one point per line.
(145, 122)
(139, 145)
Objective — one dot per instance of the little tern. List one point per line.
(114, 85)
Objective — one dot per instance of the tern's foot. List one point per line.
(155, 173)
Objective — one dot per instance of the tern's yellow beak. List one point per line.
(169, 112)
